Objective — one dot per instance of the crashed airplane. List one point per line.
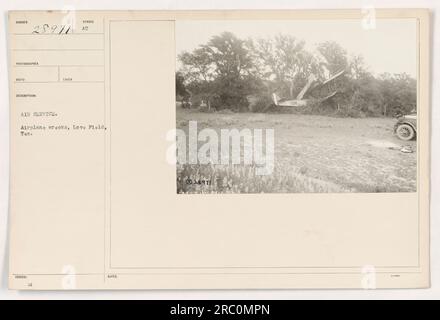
(320, 91)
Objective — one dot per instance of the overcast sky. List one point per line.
(390, 47)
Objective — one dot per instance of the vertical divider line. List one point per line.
(110, 139)
(105, 150)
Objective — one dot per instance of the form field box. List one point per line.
(59, 42)
(82, 74)
(35, 74)
(54, 58)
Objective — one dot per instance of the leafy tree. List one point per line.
(335, 56)
(357, 68)
(399, 92)
(366, 97)
(180, 85)
(197, 66)
(198, 72)
(223, 69)
(285, 60)
(230, 55)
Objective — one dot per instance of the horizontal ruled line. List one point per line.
(57, 65)
(57, 49)
(212, 273)
(58, 81)
(55, 34)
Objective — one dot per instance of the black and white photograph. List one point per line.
(197, 152)
(296, 106)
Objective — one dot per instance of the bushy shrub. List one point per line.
(259, 103)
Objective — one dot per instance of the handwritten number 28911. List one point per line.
(55, 29)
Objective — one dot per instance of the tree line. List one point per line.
(227, 70)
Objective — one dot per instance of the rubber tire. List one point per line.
(410, 129)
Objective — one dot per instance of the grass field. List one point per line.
(312, 154)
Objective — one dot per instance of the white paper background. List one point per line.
(432, 293)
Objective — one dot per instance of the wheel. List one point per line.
(405, 132)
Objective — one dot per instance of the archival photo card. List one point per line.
(296, 106)
(219, 149)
